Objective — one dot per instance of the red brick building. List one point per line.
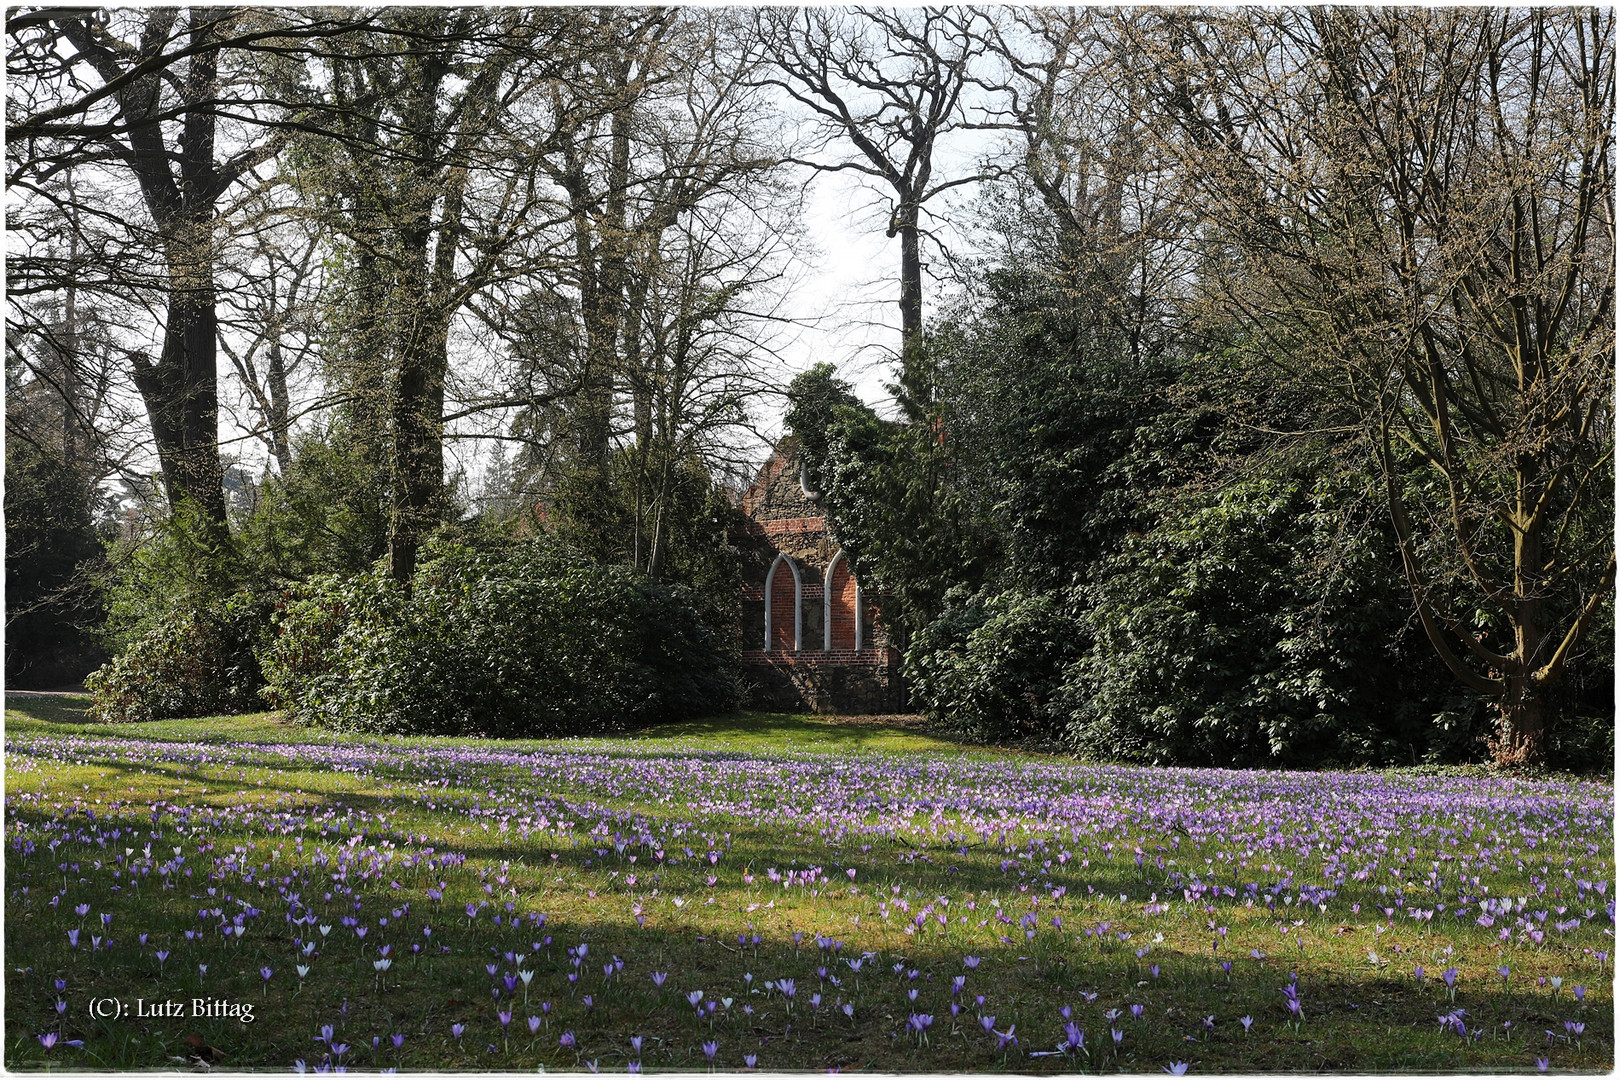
(813, 638)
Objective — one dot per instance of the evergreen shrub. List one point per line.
(526, 641)
(188, 662)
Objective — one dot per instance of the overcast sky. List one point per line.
(848, 303)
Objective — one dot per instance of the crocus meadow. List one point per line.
(659, 904)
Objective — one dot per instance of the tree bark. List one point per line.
(279, 418)
(180, 391)
(418, 447)
(182, 403)
(911, 295)
(423, 350)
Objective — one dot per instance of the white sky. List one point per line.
(849, 301)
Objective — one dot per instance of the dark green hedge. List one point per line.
(190, 662)
(528, 641)
(1263, 624)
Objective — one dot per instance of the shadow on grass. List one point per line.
(68, 714)
(1373, 1024)
(740, 732)
(47, 708)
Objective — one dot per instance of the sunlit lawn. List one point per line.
(781, 893)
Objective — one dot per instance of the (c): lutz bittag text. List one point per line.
(171, 1008)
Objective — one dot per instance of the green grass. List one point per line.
(363, 808)
(66, 714)
(745, 731)
(769, 733)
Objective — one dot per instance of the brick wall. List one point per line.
(861, 683)
(778, 518)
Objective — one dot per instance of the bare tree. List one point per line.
(139, 96)
(1415, 207)
(648, 311)
(268, 327)
(594, 108)
(884, 86)
(711, 229)
(1083, 152)
(62, 346)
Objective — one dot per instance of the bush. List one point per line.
(529, 641)
(52, 547)
(182, 566)
(988, 667)
(197, 662)
(1261, 625)
(1582, 743)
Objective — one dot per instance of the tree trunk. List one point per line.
(418, 447)
(69, 354)
(181, 390)
(421, 342)
(655, 562)
(418, 412)
(280, 424)
(603, 300)
(182, 402)
(1523, 727)
(911, 297)
(1524, 707)
(660, 540)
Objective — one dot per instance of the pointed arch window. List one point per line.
(844, 605)
(783, 624)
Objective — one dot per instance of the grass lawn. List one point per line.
(782, 893)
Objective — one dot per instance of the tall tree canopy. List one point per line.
(1417, 206)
